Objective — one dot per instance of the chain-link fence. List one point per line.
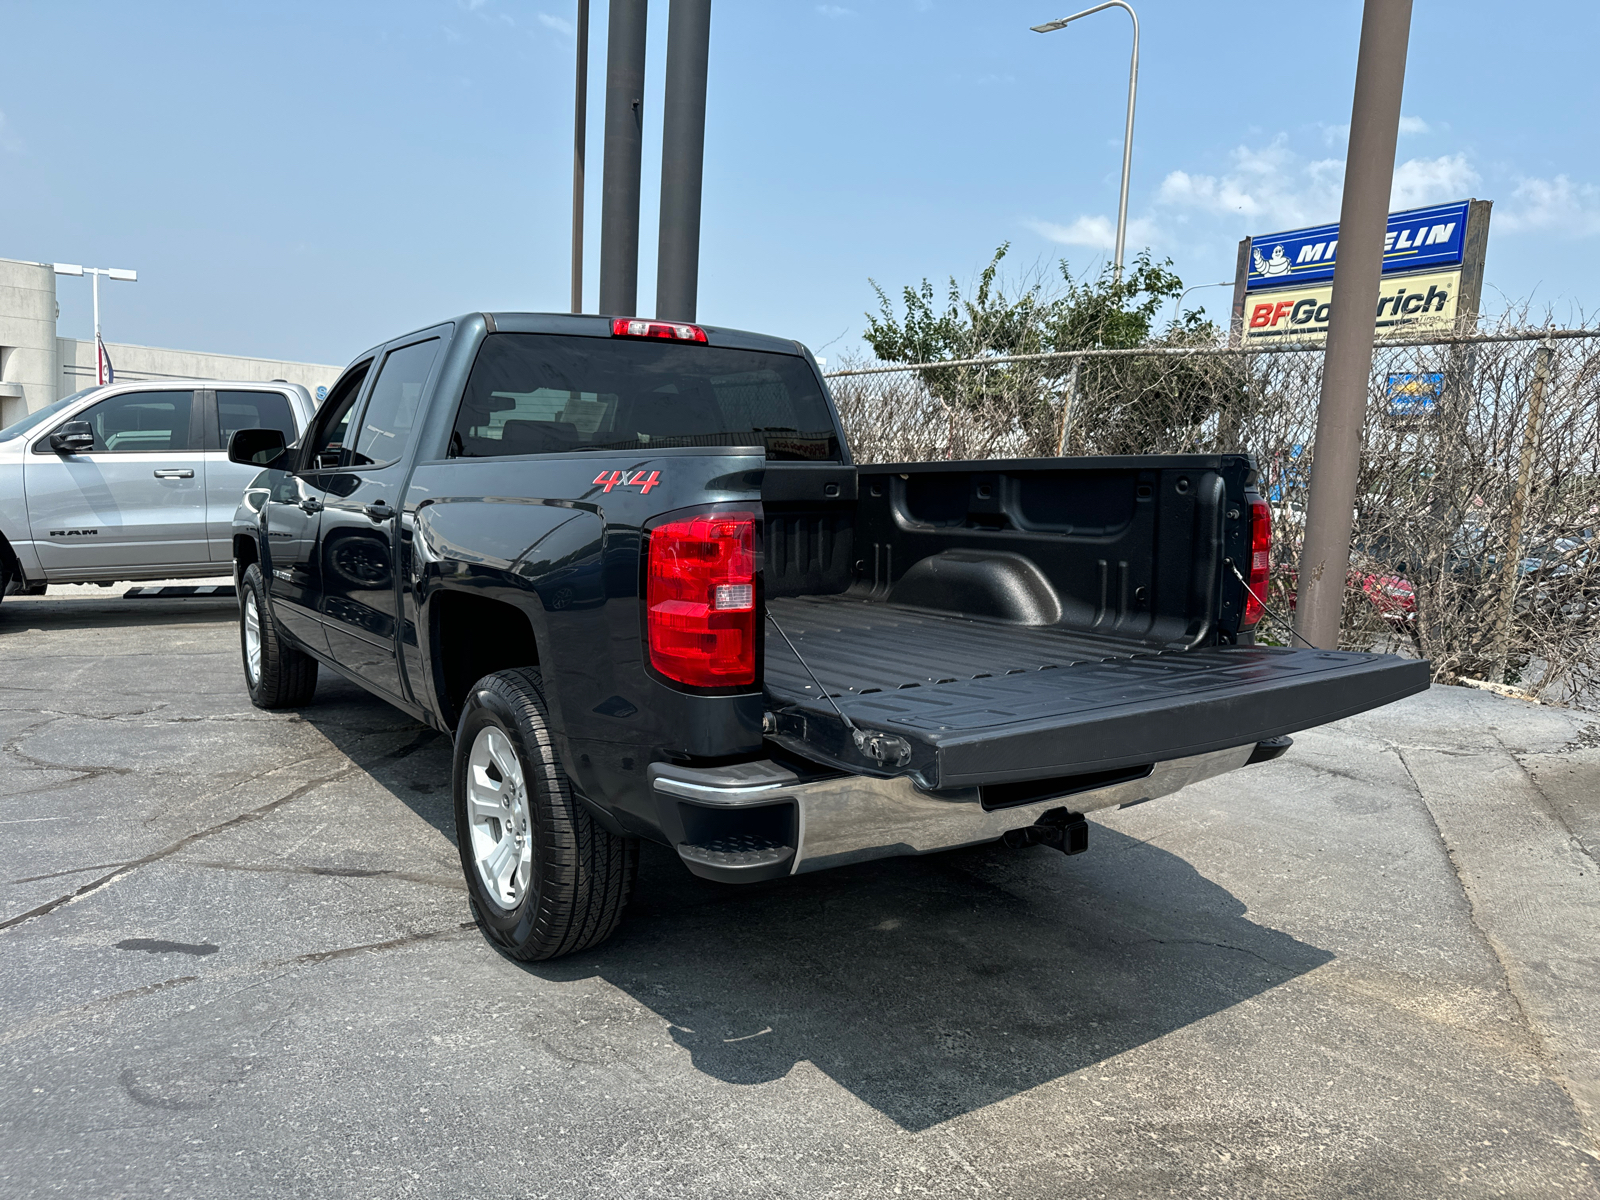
(1479, 499)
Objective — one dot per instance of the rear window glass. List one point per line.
(254, 410)
(533, 393)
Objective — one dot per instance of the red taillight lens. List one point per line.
(1260, 574)
(700, 597)
(672, 331)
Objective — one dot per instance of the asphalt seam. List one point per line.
(1538, 1037)
(167, 851)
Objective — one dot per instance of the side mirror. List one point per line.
(74, 437)
(257, 447)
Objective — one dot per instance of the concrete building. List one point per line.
(38, 368)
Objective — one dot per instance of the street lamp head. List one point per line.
(1052, 26)
(124, 275)
(68, 269)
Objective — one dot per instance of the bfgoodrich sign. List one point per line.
(1432, 276)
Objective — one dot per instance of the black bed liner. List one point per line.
(981, 702)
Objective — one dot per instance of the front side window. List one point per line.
(392, 410)
(330, 434)
(532, 393)
(238, 410)
(137, 421)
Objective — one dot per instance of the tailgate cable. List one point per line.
(885, 748)
(1232, 566)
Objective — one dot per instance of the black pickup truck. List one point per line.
(631, 568)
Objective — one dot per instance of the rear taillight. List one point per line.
(700, 597)
(1260, 574)
(671, 331)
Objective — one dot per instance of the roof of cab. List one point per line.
(583, 325)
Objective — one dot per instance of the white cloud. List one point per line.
(559, 24)
(1275, 186)
(1558, 205)
(1269, 183)
(835, 10)
(1408, 125)
(1096, 232)
(1419, 181)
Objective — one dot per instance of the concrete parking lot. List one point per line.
(238, 963)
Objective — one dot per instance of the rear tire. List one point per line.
(276, 674)
(544, 878)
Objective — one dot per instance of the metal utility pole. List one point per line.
(1127, 134)
(683, 149)
(619, 188)
(1347, 362)
(580, 134)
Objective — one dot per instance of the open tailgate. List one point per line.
(1043, 704)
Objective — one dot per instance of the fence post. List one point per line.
(1511, 568)
(1066, 408)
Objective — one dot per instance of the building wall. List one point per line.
(37, 367)
(28, 371)
(76, 358)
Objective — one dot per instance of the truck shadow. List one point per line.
(928, 987)
(931, 987)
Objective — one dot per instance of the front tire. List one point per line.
(544, 878)
(275, 673)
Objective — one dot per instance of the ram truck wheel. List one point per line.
(544, 878)
(276, 674)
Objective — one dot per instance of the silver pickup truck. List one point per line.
(132, 481)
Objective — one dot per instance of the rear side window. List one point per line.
(532, 393)
(137, 421)
(392, 410)
(254, 410)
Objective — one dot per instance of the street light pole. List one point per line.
(1127, 135)
(101, 359)
(1177, 313)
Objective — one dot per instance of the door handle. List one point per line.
(175, 473)
(379, 510)
(311, 504)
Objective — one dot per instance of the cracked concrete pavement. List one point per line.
(239, 963)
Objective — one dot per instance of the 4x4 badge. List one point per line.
(638, 479)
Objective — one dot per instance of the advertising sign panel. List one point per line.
(1414, 394)
(1418, 238)
(1407, 304)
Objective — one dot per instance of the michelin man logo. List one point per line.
(1278, 264)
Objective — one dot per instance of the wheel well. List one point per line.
(473, 636)
(10, 565)
(244, 553)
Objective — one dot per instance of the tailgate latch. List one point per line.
(884, 748)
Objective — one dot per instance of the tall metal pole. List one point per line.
(1127, 133)
(619, 188)
(580, 131)
(1347, 362)
(683, 147)
(99, 354)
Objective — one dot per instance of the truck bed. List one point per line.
(981, 702)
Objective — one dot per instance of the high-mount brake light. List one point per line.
(1260, 560)
(671, 331)
(700, 599)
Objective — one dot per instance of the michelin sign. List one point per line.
(1284, 291)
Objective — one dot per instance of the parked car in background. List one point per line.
(132, 481)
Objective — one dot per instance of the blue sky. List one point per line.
(303, 179)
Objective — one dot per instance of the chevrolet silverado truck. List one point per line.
(630, 567)
(131, 481)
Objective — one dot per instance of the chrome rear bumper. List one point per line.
(840, 819)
